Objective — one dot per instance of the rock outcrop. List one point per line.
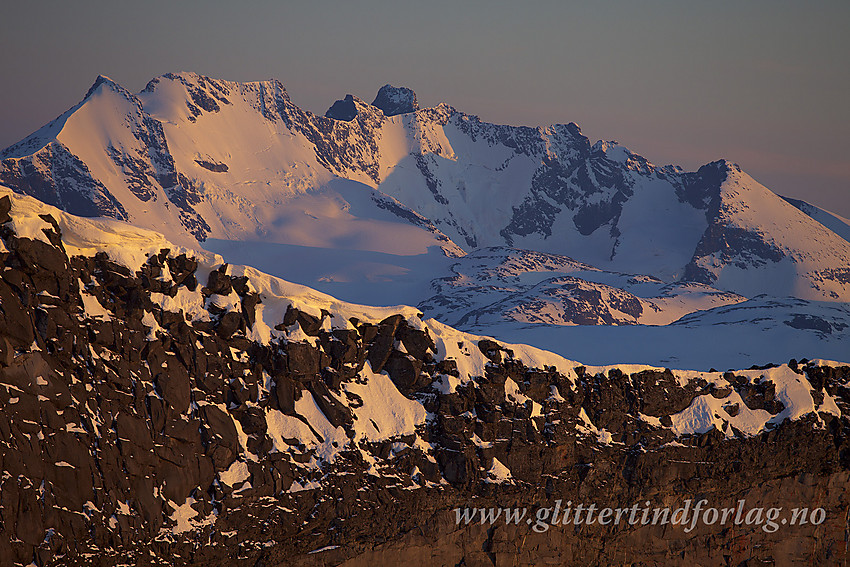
(396, 100)
(343, 109)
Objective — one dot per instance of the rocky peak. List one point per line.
(344, 109)
(396, 100)
(104, 80)
(720, 167)
(351, 107)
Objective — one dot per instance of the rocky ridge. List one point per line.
(161, 407)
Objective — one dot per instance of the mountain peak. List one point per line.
(729, 165)
(103, 80)
(720, 167)
(396, 100)
(346, 109)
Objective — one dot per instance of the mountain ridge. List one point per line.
(207, 160)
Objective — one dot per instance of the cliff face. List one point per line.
(186, 412)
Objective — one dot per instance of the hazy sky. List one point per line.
(763, 83)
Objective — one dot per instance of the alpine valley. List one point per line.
(236, 332)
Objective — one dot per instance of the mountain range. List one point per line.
(234, 332)
(389, 203)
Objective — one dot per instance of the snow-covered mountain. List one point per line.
(165, 404)
(498, 230)
(132, 157)
(199, 158)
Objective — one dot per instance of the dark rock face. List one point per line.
(56, 176)
(205, 94)
(593, 188)
(396, 100)
(124, 436)
(340, 145)
(344, 109)
(733, 246)
(805, 321)
(5, 207)
(702, 188)
(214, 166)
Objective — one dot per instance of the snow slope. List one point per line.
(224, 168)
(834, 222)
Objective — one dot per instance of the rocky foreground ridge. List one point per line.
(162, 408)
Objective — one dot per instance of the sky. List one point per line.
(765, 84)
